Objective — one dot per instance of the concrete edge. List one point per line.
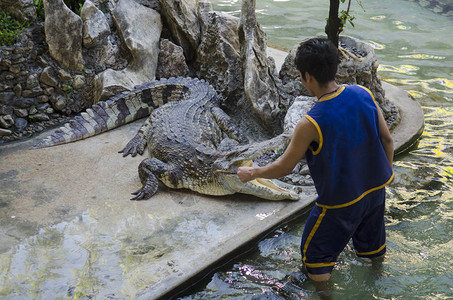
(231, 249)
(410, 128)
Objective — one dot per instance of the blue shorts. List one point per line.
(328, 231)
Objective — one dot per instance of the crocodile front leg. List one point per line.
(226, 124)
(138, 143)
(149, 171)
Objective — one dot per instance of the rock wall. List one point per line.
(68, 62)
(35, 92)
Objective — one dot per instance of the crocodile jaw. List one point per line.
(264, 188)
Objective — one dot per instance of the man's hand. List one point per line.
(245, 174)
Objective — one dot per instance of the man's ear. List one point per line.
(302, 77)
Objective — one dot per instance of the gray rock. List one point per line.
(262, 87)
(39, 117)
(59, 103)
(15, 69)
(43, 106)
(290, 76)
(63, 30)
(20, 124)
(297, 110)
(18, 90)
(5, 132)
(95, 25)
(21, 112)
(63, 75)
(22, 10)
(78, 82)
(43, 99)
(48, 77)
(7, 97)
(4, 87)
(218, 56)
(33, 110)
(140, 28)
(6, 109)
(6, 121)
(183, 24)
(49, 91)
(32, 81)
(171, 62)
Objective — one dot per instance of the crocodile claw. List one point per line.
(144, 193)
(136, 145)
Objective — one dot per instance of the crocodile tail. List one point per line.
(122, 109)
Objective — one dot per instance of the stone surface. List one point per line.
(48, 77)
(6, 121)
(218, 56)
(181, 20)
(297, 110)
(5, 132)
(172, 62)
(95, 25)
(262, 87)
(63, 34)
(79, 82)
(140, 28)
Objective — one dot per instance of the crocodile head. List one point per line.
(227, 165)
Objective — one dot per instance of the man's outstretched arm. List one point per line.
(304, 134)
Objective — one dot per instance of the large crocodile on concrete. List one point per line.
(192, 142)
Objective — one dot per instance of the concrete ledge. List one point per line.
(148, 249)
(410, 129)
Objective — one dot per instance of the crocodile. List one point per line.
(192, 142)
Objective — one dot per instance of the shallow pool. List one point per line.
(414, 46)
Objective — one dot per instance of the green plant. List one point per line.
(337, 20)
(68, 88)
(39, 5)
(75, 5)
(103, 6)
(10, 28)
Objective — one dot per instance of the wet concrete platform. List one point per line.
(68, 228)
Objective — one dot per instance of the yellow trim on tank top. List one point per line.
(366, 89)
(333, 95)
(319, 133)
(357, 199)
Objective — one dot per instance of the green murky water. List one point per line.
(415, 48)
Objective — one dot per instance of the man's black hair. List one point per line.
(319, 57)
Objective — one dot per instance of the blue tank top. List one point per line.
(349, 162)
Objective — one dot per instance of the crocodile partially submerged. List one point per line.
(192, 142)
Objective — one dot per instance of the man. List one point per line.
(349, 151)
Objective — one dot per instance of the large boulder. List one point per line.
(262, 87)
(95, 25)
(181, 20)
(218, 56)
(63, 30)
(140, 28)
(172, 62)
